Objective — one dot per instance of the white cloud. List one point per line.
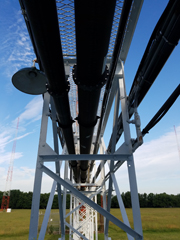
(23, 179)
(157, 166)
(4, 138)
(33, 110)
(161, 153)
(6, 118)
(15, 47)
(6, 157)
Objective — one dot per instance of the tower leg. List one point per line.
(33, 229)
(130, 161)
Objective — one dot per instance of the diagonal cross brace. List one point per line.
(76, 231)
(79, 206)
(106, 214)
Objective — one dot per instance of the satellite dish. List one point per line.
(30, 80)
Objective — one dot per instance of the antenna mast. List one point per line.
(6, 194)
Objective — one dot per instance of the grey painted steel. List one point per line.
(113, 148)
(120, 201)
(47, 213)
(65, 190)
(70, 218)
(116, 167)
(110, 102)
(102, 151)
(130, 162)
(57, 166)
(96, 221)
(45, 149)
(33, 229)
(116, 109)
(136, 9)
(81, 157)
(113, 91)
(111, 218)
(106, 228)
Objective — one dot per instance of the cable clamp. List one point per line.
(165, 39)
(137, 122)
(101, 82)
(24, 14)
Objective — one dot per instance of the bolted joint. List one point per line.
(102, 81)
(53, 94)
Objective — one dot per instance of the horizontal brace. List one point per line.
(102, 211)
(82, 157)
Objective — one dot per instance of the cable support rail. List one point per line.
(115, 58)
(66, 18)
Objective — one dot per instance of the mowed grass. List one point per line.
(157, 223)
(161, 224)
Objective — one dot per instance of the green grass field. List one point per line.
(158, 224)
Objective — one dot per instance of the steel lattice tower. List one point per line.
(6, 194)
(81, 72)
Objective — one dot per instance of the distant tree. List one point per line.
(150, 200)
(16, 200)
(177, 200)
(114, 202)
(27, 200)
(127, 200)
(44, 200)
(143, 200)
(23, 200)
(68, 201)
(55, 204)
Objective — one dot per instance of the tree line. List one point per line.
(22, 200)
(161, 200)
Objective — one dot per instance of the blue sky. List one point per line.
(157, 161)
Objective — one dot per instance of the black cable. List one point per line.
(162, 111)
(169, 23)
(159, 48)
